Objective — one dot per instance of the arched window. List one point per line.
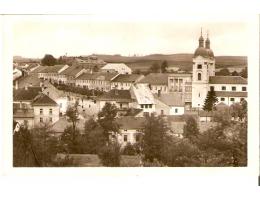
(199, 76)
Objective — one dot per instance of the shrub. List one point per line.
(110, 155)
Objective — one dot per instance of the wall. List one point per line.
(131, 136)
(46, 115)
(228, 101)
(218, 87)
(180, 110)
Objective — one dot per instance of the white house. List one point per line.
(131, 129)
(156, 82)
(51, 72)
(169, 104)
(144, 98)
(125, 81)
(45, 109)
(120, 68)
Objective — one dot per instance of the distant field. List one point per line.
(184, 61)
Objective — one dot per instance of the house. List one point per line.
(121, 98)
(22, 105)
(229, 89)
(131, 129)
(120, 68)
(143, 98)
(51, 72)
(69, 75)
(31, 80)
(97, 80)
(169, 104)
(45, 110)
(125, 81)
(17, 74)
(156, 82)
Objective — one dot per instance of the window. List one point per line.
(41, 120)
(223, 88)
(171, 80)
(150, 105)
(199, 94)
(146, 106)
(199, 76)
(211, 88)
(199, 67)
(232, 99)
(41, 111)
(234, 88)
(137, 137)
(142, 106)
(50, 111)
(121, 105)
(50, 119)
(222, 99)
(125, 138)
(176, 110)
(242, 99)
(244, 89)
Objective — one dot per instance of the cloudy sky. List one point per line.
(36, 36)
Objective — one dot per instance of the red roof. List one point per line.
(227, 80)
(230, 94)
(155, 79)
(44, 100)
(28, 94)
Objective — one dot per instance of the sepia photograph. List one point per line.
(111, 93)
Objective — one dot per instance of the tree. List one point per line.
(37, 148)
(155, 68)
(48, 60)
(73, 116)
(190, 129)
(243, 73)
(224, 72)
(155, 131)
(95, 68)
(106, 119)
(234, 73)
(110, 155)
(210, 101)
(164, 66)
(239, 110)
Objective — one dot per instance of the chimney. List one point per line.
(159, 93)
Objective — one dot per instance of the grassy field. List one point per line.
(92, 160)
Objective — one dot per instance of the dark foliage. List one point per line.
(48, 60)
(110, 155)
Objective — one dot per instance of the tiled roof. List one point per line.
(115, 66)
(172, 99)
(97, 76)
(133, 112)
(44, 100)
(29, 79)
(23, 113)
(52, 69)
(130, 122)
(155, 79)
(28, 94)
(227, 80)
(62, 123)
(72, 71)
(230, 94)
(127, 78)
(142, 94)
(39, 69)
(118, 95)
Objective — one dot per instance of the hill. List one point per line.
(184, 61)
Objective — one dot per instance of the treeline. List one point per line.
(224, 144)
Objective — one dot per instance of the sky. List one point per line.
(36, 36)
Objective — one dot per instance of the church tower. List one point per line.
(203, 68)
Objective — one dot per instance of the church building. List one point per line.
(228, 89)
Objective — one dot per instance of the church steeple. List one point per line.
(201, 39)
(207, 41)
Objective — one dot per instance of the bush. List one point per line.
(110, 155)
(129, 149)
